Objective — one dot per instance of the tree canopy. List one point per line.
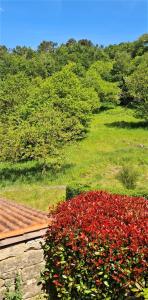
(48, 95)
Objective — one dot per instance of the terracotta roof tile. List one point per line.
(17, 219)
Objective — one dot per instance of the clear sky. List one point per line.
(28, 22)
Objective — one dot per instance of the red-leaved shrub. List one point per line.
(95, 248)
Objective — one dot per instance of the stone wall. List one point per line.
(25, 258)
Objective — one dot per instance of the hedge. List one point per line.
(76, 189)
(96, 248)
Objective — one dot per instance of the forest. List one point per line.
(48, 96)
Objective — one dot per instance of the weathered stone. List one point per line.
(25, 258)
(32, 257)
(33, 245)
(2, 292)
(8, 265)
(32, 272)
(10, 275)
(41, 296)
(16, 250)
(10, 282)
(2, 282)
(31, 289)
(12, 251)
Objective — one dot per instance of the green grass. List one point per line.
(37, 196)
(115, 138)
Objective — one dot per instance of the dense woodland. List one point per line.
(48, 95)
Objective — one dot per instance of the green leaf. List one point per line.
(106, 283)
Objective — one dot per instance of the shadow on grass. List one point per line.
(102, 109)
(64, 168)
(26, 172)
(128, 125)
(22, 172)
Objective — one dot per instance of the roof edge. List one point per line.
(40, 233)
(18, 232)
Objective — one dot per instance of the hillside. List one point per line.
(115, 138)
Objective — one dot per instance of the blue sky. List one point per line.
(28, 22)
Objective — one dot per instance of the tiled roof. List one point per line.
(17, 219)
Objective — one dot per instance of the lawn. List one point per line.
(115, 138)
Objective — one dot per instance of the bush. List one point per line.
(74, 190)
(95, 248)
(128, 177)
(140, 193)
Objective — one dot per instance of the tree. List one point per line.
(85, 42)
(44, 115)
(122, 67)
(138, 88)
(64, 91)
(35, 138)
(3, 49)
(140, 46)
(70, 42)
(13, 92)
(47, 46)
(28, 53)
(108, 92)
(103, 69)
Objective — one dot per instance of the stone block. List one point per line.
(10, 275)
(12, 251)
(32, 272)
(2, 282)
(8, 265)
(31, 289)
(32, 257)
(2, 292)
(33, 245)
(25, 258)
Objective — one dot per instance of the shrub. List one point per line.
(140, 193)
(76, 189)
(95, 248)
(128, 177)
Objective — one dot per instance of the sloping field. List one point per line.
(115, 138)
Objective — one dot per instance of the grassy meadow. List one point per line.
(115, 139)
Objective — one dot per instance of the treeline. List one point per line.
(48, 95)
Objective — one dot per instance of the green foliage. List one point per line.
(76, 189)
(140, 46)
(145, 293)
(37, 137)
(121, 66)
(138, 88)
(82, 52)
(71, 97)
(115, 138)
(46, 46)
(140, 193)
(48, 96)
(103, 68)
(108, 92)
(15, 294)
(13, 93)
(128, 176)
(40, 118)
